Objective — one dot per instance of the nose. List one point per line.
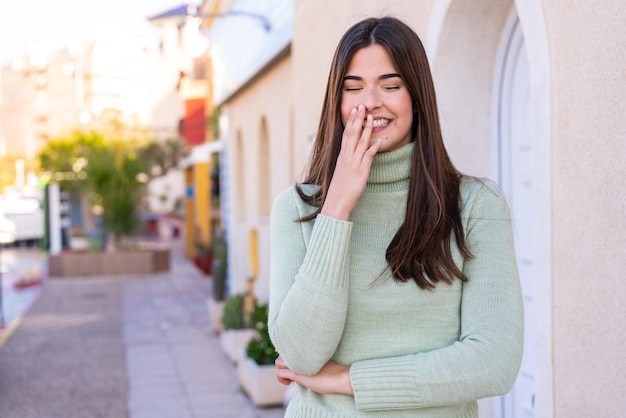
(371, 99)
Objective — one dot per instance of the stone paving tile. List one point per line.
(158, 412)
(174, 357)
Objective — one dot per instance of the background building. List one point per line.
(53, 91)
(175, 99)
(129, 73)
(252, 79)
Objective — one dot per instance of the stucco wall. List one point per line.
(267, 99)
(463, 71)
(588, 80)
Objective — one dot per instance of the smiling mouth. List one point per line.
(380, 123)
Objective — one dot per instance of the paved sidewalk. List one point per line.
(137, 347)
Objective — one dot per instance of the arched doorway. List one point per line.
(512, 128)
(494, 96)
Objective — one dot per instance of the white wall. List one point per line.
(269, 100)
(588, 165)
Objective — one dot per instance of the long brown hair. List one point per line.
(421, 248)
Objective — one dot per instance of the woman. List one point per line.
(394, 286)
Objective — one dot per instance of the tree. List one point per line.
(108, 171)
(161, 156)
(64, 158)
(116, 176)
(110, 166)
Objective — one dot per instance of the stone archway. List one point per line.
(465, 45)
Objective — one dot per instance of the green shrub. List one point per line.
(261, 349)
(234, 315)
(233, 312)
(220, 259)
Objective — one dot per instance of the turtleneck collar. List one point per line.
(391, 170)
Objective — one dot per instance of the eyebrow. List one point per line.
(380, 77)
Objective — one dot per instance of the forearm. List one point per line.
(308, 327)
(485, 359)
(484, 362)
(463, 372)
(308, 303)
(333, 378)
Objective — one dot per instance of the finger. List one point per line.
(368, 157)
(365, 136)
(280, 363)
(285, 376)
(347, 127)
(283, 380)
(352, 132)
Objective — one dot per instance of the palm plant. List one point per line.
(116, 177)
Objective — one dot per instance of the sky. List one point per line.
(25, 22)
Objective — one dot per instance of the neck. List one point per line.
(391, 170)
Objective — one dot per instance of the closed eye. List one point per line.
(391, 87)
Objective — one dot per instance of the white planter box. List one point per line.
(216, 312)
(260, 383)
(235, 340)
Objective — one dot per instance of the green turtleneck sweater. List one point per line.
(412, 352)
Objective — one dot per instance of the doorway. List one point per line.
(512, 128)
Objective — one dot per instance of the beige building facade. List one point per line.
(531, 95)
(50, 92)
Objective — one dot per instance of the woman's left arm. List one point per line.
(486, 358)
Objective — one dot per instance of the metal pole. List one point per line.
(6, 237)
(54, 199)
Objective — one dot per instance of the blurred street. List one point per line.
(124, 346)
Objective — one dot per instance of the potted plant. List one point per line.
(215, 305)
(107, 172)
(236, 332)
(203, 257)
(220, 260)
(256, 371)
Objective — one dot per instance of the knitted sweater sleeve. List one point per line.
(486, 358)
(308, 285)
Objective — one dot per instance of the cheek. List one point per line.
(405, 109)
(346, 108)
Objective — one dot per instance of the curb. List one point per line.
(6, 332)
